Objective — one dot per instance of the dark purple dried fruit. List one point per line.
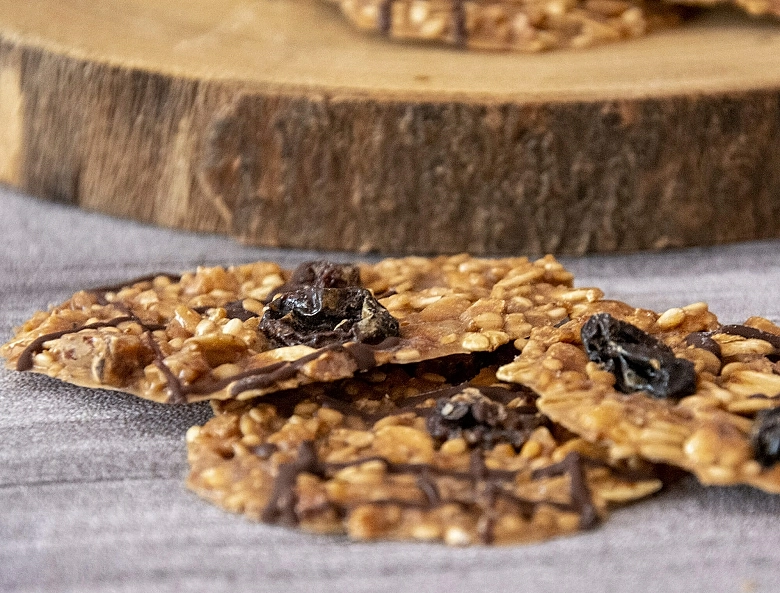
(638, 360)
(765, 437)
(480, 421)
(317, 317)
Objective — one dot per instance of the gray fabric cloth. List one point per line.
(91, 482)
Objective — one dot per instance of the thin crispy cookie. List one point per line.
(723, 431)
(201, 335)
(528, 26)
(402, 454)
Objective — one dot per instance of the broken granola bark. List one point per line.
(244, 331)
(524, 25)
(402, 453)
(679, 388)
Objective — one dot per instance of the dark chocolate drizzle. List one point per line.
(25, 361)
(281, 504)
(581, 497)
(704, 339)
(385, 17)
(265, 376)
(751, 333)
(235, 310)
(176, 393)
(459, 30)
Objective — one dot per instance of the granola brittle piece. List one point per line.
(464, 464)
(723, 429)
(244, 331)
(525, 25)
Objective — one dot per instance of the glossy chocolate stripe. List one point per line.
(176, 394)
(580, 493)
(751, 333)
(25, 361)
(704, 341)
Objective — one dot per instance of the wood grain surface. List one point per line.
(274, 122)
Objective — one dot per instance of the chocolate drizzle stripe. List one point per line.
(477, 468)
(363, 355)
(459, 30)
(385, 17)
(428, 487)
(176, 394)
(25, 361)
(268, 375)
(581, 497)
(281, 503)
(704, 339)
(750, 333)
(210, 386)
(487, 523)
(281, 506)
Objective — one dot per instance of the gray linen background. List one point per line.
(91, 482)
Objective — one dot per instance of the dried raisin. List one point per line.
(317, 317)
(639, 361)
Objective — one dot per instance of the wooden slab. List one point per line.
(273, 121)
